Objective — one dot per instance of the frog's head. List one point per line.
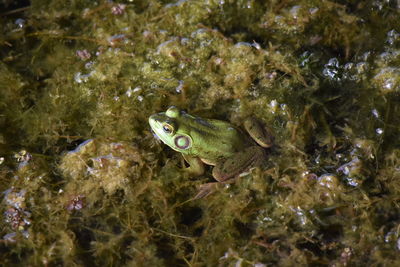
(166, 126)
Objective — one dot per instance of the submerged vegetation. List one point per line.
(84, 181)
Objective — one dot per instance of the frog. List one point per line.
(212, 142)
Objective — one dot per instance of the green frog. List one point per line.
(212, 142)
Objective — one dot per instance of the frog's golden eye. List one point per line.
(173, 112)
(168, 128)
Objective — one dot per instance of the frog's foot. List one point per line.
(206, 189)
(241, 162)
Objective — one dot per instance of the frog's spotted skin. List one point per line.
(212, 142)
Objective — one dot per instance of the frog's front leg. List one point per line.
(196, 167)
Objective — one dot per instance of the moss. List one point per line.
(84, 181)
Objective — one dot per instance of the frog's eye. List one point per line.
(173, 112)
(168, 128)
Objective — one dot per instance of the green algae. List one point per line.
(84, 182)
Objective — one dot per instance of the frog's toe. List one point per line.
(206, 190)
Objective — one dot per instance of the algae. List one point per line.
(84, 182)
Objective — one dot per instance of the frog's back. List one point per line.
(215, 139)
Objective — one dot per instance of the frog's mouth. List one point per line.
(153, 124)
(155, 135)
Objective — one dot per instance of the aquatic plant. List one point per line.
(84, 182)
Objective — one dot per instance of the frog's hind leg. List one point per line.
(259, 132)
(239, 163)
(227, 171)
